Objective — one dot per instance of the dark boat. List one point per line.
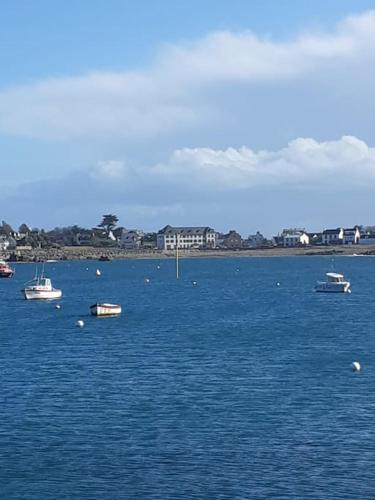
(104, 258)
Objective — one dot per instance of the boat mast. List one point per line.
(177, 256)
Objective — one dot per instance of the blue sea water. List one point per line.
(234, 388)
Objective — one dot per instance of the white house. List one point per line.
(186, 237)
(295, 239)
(7, 243)
(351, 236)
(333, 236)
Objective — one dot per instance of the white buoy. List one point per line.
(356, 366)
(98, 273)
(157, 267)
(194, 283)
(147, 280)
(80, 323)
(58, 306)
(277, 284)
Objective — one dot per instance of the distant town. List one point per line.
(108, 234)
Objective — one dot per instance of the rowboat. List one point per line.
(105, 309)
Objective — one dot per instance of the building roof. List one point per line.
(185, 231)
(332, 231)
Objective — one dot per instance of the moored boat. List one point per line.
(5, 270)
(105, 309)
(335, 283)
(41, 288)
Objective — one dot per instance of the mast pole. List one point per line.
(177, 256)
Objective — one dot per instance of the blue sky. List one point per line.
(233, 114)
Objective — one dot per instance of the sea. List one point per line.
(233, 382)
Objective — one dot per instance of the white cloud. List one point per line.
(305, 183)
(304, 162)
(173, 93)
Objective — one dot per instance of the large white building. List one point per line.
(186, 237)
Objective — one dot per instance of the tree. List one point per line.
(6, 228)
(109, 222)
(24, 229)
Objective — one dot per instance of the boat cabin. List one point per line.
(42, 283)
(335, 278)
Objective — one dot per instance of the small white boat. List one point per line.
(98, 273)
(41, 288)
(335, 283)
(105, 309)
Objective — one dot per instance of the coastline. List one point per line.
(93, 253)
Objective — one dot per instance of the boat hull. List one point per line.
(105, 310)
(6, 274)
(42, 294)
(326, 287)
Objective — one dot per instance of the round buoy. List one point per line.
(277, 284)
(356, 367)
(80, 323)
(58, 306)
(194, 283)
(98, 273)
(157, 267)
(147, 280)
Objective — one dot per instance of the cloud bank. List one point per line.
(218, 182)
(177, 91)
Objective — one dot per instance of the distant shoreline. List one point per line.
(92, 253)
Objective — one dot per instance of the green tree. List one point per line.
(109, 221)
(24, 229)
(6, 228)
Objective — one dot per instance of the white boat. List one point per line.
(335, 283)
(105, 309)
(41, 288)
(98, 273)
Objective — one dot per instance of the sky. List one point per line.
(248, 115)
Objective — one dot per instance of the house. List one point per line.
(333, 236)
(231, 240)
(131, 239)
(296, 239)
(7, 243)
(149, 241)
(367, 235)
(315, 238)
(351, 236)
(186, 237)
(367, 239)
(292, 238)
(255, 240)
